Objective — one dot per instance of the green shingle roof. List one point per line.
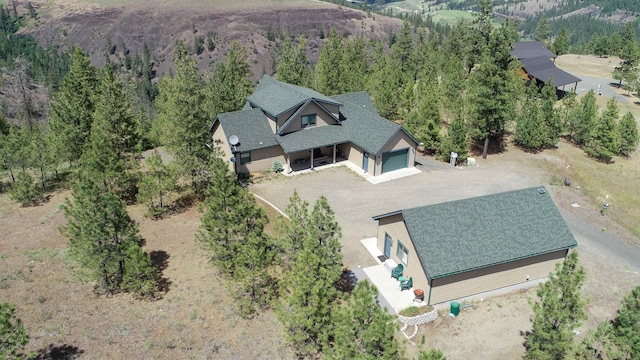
(250, 126)
(275, 97)
(469, 234)
(312, 138)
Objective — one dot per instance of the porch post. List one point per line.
(311, 159)
(289, 163)
(334, 153)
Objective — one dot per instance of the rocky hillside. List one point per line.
(101, 26)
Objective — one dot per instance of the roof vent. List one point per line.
(542, 191)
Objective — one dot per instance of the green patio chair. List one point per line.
(396, 272)
(406, 285)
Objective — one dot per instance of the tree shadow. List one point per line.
(347, 281)
(160, 259)
(59, 352)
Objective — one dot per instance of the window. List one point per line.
(308, 120)
(402, 253)
(245, 158)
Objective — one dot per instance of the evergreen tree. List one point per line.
(569, 113)
(13, 336)
(355, 66)
(183, 119)
(455, 140)
(328, 77)
(230, 85)
(557, 312)
(363, 330)
(232, 228)
(531, 131)
(306, 309)
(431, 354)
(73, 107)
(626, 326)
(424, 121)
(155, 184)
(25, 191)
(403, 52)
(543, 31)
(562, 42)
(586, 119)
(101, 163)
(604, 140)
(552, 122)
(628, 133)
(231, 216)
(293, 232)
(386, 84)
(114, 116)
(106, 242)
(453, 79)
(292, 65)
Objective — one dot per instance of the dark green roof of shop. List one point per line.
(479, 232)
(250, 126)
(275, 97)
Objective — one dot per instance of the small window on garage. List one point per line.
(245, 158)
(308, 120)
(402, 252)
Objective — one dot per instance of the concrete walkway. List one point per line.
(391, 175)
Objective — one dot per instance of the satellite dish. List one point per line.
(233, 140)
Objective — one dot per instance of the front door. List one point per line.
(365, 161)
(387, 245)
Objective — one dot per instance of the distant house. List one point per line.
(303, 129)
(466, 247)
(537, 65)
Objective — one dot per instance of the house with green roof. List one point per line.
(467, 247)
(303, 129)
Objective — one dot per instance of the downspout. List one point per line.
(430, 287)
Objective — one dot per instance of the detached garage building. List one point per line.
(471, 246)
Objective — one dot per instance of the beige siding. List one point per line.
(351, 153)
(263, 159)
(220, 140)
(495, 277)
(322, 118)
(400, 141)
(395, 227)
(334, 109)
(285, 116)
(272, 122)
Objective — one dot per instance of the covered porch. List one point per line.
(311, 159)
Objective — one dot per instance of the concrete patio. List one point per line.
(391, 297)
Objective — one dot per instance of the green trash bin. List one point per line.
(455, 308)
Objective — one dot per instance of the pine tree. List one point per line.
(455, 140)
(604, 140)
(155, 185)
(106, 242)
(386, 84)
(230, 85)
(494, 89)
(628, 133)
(562, 42)
(424, 121)
(25, 191)
(183, 119)
(355, 66)
(73, 107)
(232, 228)
(292, 64)
(362, 329)
(586, 119)
(569, 113)
(101, 163)
(403, 52)
(306, 310)
(293, 231)
(626, 326)
(543, 31)
(552, 122)
(431, 354)
(114, 116)
(13, 336)
(328, 79)
(557, 312)
(531, 132)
